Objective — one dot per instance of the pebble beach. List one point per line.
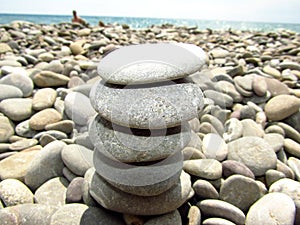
(241, 164)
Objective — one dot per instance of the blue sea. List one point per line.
(138, 22)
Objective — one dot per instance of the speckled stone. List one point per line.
(292, 189)
(76, 213)
(137, 145)
(53, 192)
(273, 208)
(246, 191)
(149, 180)
(254, 152)
(24, 212)
(117, 200)
(148, 63)
(14, 192)
(156, 106)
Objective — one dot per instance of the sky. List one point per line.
(283, 11)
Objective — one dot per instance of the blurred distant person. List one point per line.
(77, 19)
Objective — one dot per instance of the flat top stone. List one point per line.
(137, 145)
(149, 63)
(147, 106)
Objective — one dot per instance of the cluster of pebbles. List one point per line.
(242, 159)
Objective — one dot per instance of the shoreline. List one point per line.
(143, 22)
(251, 84)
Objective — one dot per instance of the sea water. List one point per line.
(138, 22)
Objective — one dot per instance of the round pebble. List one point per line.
(17, 109)
(14, 192)
(140, 64)
(47, 116)
(254, 152)
(43, 98)
(166, 105)
(273, 208)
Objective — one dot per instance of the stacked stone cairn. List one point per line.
(144, 102)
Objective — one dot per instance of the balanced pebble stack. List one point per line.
(144, 103)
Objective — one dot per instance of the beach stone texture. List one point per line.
(143, 180)
(116, 200)
(137, 145)
(156, 106)
(76, 213)
(254, 152)
(24, 212)
(279, 205)
(150, 63)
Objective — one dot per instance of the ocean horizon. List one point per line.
(144, 22)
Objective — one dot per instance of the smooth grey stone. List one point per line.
(233, 129)
(27, 213)
(144, 180)
(86, 196)
(172, 218)
(23, 130)
(229, 89)
(68, 174)
(76, 213)
(23, 82)
(275, 129)
(156, 106)
(273, 208)
(294, 164)
(217, 124)
(204, 189)
(52, 192)
(290, 132)
(254, 152)
(214, 147)
(74, 190)
(14, 192)
(17, 109)
(46, 165)
(294, 121)
(9, 91)
(285, 169)
(77, 158)
(231, 167)
(116, 200)
(251, 128)
(292, 147)
(137, 145)
(202, 80)
(273, 176)
(219, 98)
(247, 112)
(84, 89)
(6, 129)
(275, 140)
(55, 66)
(218, 208)
(217, 221)
(149, 63)
(210, 169)
(74, 109)
(292, 189)
(289, 65)
(246, 191)
(84, 140)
